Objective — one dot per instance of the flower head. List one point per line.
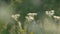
(32, 14)
(56, 17)
(15, 16)
(50, 13)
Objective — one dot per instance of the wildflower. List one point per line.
(31, 16)
(15, 16)
(50, 13)
(56, 17)
(47, 13)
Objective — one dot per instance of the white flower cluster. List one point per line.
(50, 13)
(15, 16)
(30, 16)
(56, 17)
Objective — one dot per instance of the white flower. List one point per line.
(50, 13)
(47, 13)
(15, 16)
(56, 17)
(31, 17)
(32, 14)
